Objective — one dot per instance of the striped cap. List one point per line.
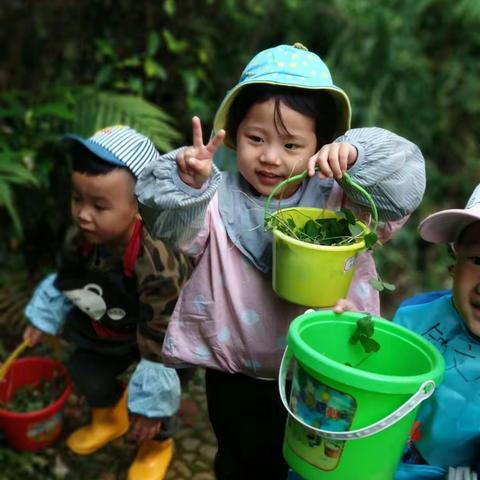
(120, 145)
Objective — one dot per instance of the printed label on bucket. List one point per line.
(349, 263)
(323, 407)
(47, 429)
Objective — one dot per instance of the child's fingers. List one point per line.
(146, 429)
(312, 161)
(324, 163)
(182, 162)
(197, 132)
(343, 157)
(32, 336)
(187, 160)
(344, 305)
(137, 430)
(334, 159)
(216, 141)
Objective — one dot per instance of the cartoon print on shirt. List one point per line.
(89, 300)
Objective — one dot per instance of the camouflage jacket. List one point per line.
(116, 309)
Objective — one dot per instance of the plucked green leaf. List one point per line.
(376, 283)
(370, 240)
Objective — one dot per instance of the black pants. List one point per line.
(95, 376)
(248, 419)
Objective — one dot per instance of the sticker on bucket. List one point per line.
(425, 390)
(322, 407)
(349, 263)
(45, 430)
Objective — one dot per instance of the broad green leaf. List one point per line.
(130, 62)
(153, 69)
(6, 200)
(95, 110)
(169, 6)
(355, 230)
(104, 75)
(153, 44)
(58, 109)
(173, 44)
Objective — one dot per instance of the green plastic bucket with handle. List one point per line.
(351, 412)
(310, 274)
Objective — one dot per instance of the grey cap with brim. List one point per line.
(447, 225)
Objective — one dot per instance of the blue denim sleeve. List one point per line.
(48, 307)
(154, 390)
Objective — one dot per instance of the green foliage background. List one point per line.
(408, 65)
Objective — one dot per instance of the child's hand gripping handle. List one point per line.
(18, 351)
(348, 180)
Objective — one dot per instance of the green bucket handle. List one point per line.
(426, 390)
(301, 176)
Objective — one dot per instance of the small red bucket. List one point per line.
(32, 431)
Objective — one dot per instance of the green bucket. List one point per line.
(350, 413)
(307, 274)
(310, 274)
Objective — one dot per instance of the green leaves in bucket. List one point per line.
(363, 333)
(30, 398)
(342, 230)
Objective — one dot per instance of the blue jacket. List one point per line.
(450, 419)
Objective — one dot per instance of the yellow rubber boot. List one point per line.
(152, 460)
(107, 424)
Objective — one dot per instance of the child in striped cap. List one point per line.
(112, 297)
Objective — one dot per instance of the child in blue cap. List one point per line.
(112, 297)
(284, 116)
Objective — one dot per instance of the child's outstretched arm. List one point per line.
(389, 167)
(46, 311)
(175, 191)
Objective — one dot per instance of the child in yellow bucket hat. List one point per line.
(285, 115)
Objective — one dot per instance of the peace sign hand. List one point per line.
(195, 163)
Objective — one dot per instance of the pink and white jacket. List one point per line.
(227, 316)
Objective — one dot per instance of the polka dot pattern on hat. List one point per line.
(287, 66)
